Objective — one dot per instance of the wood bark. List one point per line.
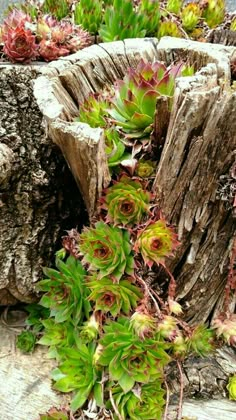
(36, 189)
(199, 149)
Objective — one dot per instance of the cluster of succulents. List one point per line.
(26, 39)
(54, 28)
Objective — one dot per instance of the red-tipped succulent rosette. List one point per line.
(156, 242)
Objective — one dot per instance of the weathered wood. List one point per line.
(199, 148)
(36, 188)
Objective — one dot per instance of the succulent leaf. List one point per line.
(108, 250)
(26, 341)
(77, 373)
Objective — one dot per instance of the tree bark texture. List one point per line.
(199, 149)
(39, 198)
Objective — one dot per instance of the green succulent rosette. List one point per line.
(156, 242)
(200, 341)
(146, 404)
(145, 168)
(26, 341)
(130, 359)
(126, 202)
(93, 111)
(114, 297)
(107, 250)
(190, 16)
(65, 291)
(134, 103)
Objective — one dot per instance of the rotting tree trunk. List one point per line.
(198, 150)
(36, 189)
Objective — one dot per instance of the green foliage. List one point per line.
(130, 359)
(57, 8)
(79, 374)
(150, 12)
(146, 403)
(26, 341)
(156, 242)
(107, 249)
(114, 297)
(174, 6)
(88, 14)
(126, 202)
(214, 12)
(66, 293)
(121, 22)
(233, 25)
(134, 104)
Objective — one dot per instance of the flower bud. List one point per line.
(175, 307)
(142, 324)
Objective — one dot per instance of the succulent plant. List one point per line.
(156, 242)
(57, 336)
(126, 202)
(190, 16)
(79, 374)
(232, 388)
(143, 364)
(19, 42)
(57, 8)
(143, 324)
(37, 313)
(134, 104)
(169, 28)
(167, 327)
(58, 39)
(200, 341)
(89, 331)
(150, 12)
(114, 297)
(146, 403)
(93, 111)
(174, 6)
(55, 414)
(233, 25)
(107, 249)
(145, 168)
(26, 341)
(213, 12)
(121, 22)
(114, 148)
(88, 14)
(66, 293)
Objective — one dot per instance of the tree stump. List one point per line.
(199, 149)
(39, 198)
